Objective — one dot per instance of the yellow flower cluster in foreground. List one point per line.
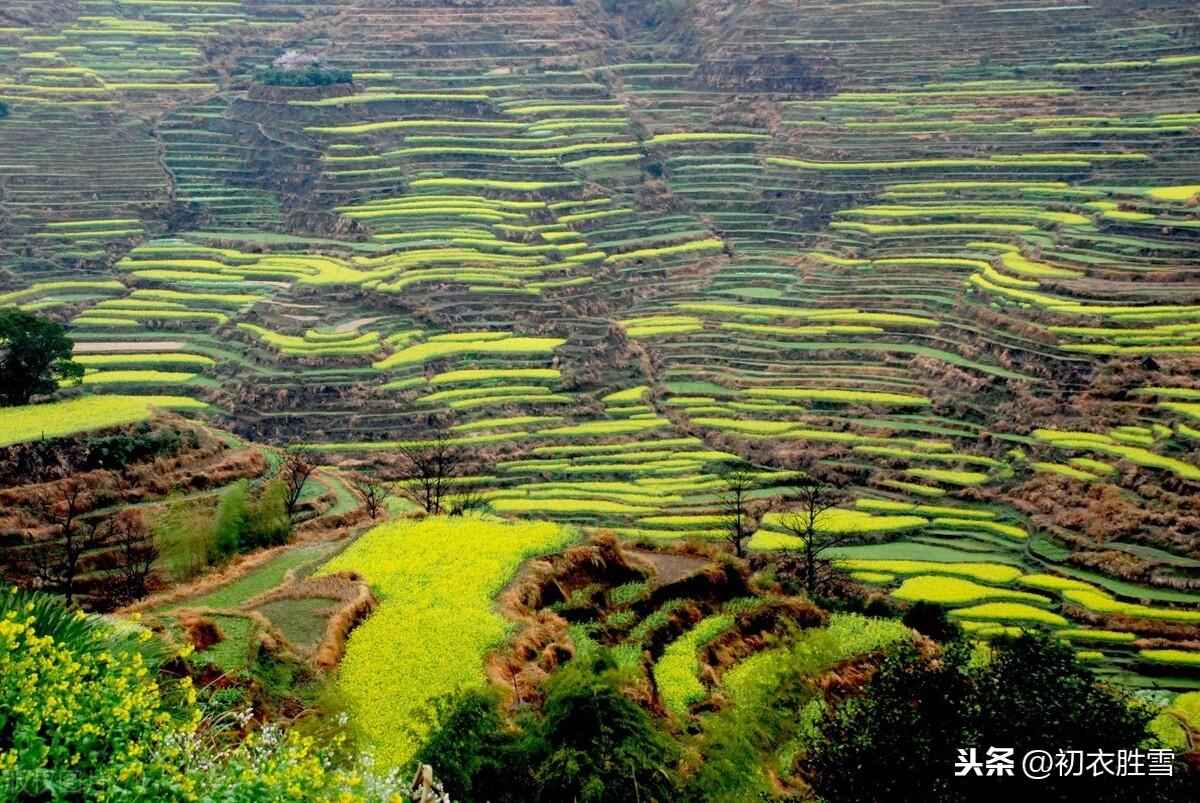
(84, 715)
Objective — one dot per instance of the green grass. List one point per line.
(1106, 444)
(137, 377)
(949, 477)
(1099, 602)
(841, 396)
(160, 358)
(698, 246)
(487, 374)
(597, 428)
(983, 572)
(264, 578)
(1172, 657)
(544, 505)
(299, 620)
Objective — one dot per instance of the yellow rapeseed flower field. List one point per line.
(56, 419)
(435, 580)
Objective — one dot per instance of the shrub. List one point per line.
(314, 75)
(184, 538)
(124, 448)
(918, 710)
(589, 743)
(230, 521)
(267, 521)
(930, 620)
(243, 523)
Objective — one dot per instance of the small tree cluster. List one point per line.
(296, 68)
(919, 710)
(245, 522)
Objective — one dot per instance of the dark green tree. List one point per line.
(589, 743)
(230, 522)
(899, 740)
(475, 755)
(598, 745)
(930, 619)
(35, 355)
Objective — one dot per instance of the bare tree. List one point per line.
(814, 497)
(129, 561)
(55, 563)
(296, 470)
(372, 491)
(426, 470)
(737, 517)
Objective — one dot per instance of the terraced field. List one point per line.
(610, 259)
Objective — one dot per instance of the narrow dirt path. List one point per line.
(670, 567)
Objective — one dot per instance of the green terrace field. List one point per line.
(955, 268)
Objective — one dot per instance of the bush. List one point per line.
(314, 75)
(919, 710)
(590, 743)
(124, 448)
(930, 619)
(474, 753)
(230, 521)
(267, 521)
(184, 537)
(243, 524)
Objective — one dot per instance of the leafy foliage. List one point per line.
(244, 523)
(35, 354)
(124, 448)
(589, 743)
(313, 75)
(1032, 694)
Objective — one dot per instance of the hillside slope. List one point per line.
(947, 254)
